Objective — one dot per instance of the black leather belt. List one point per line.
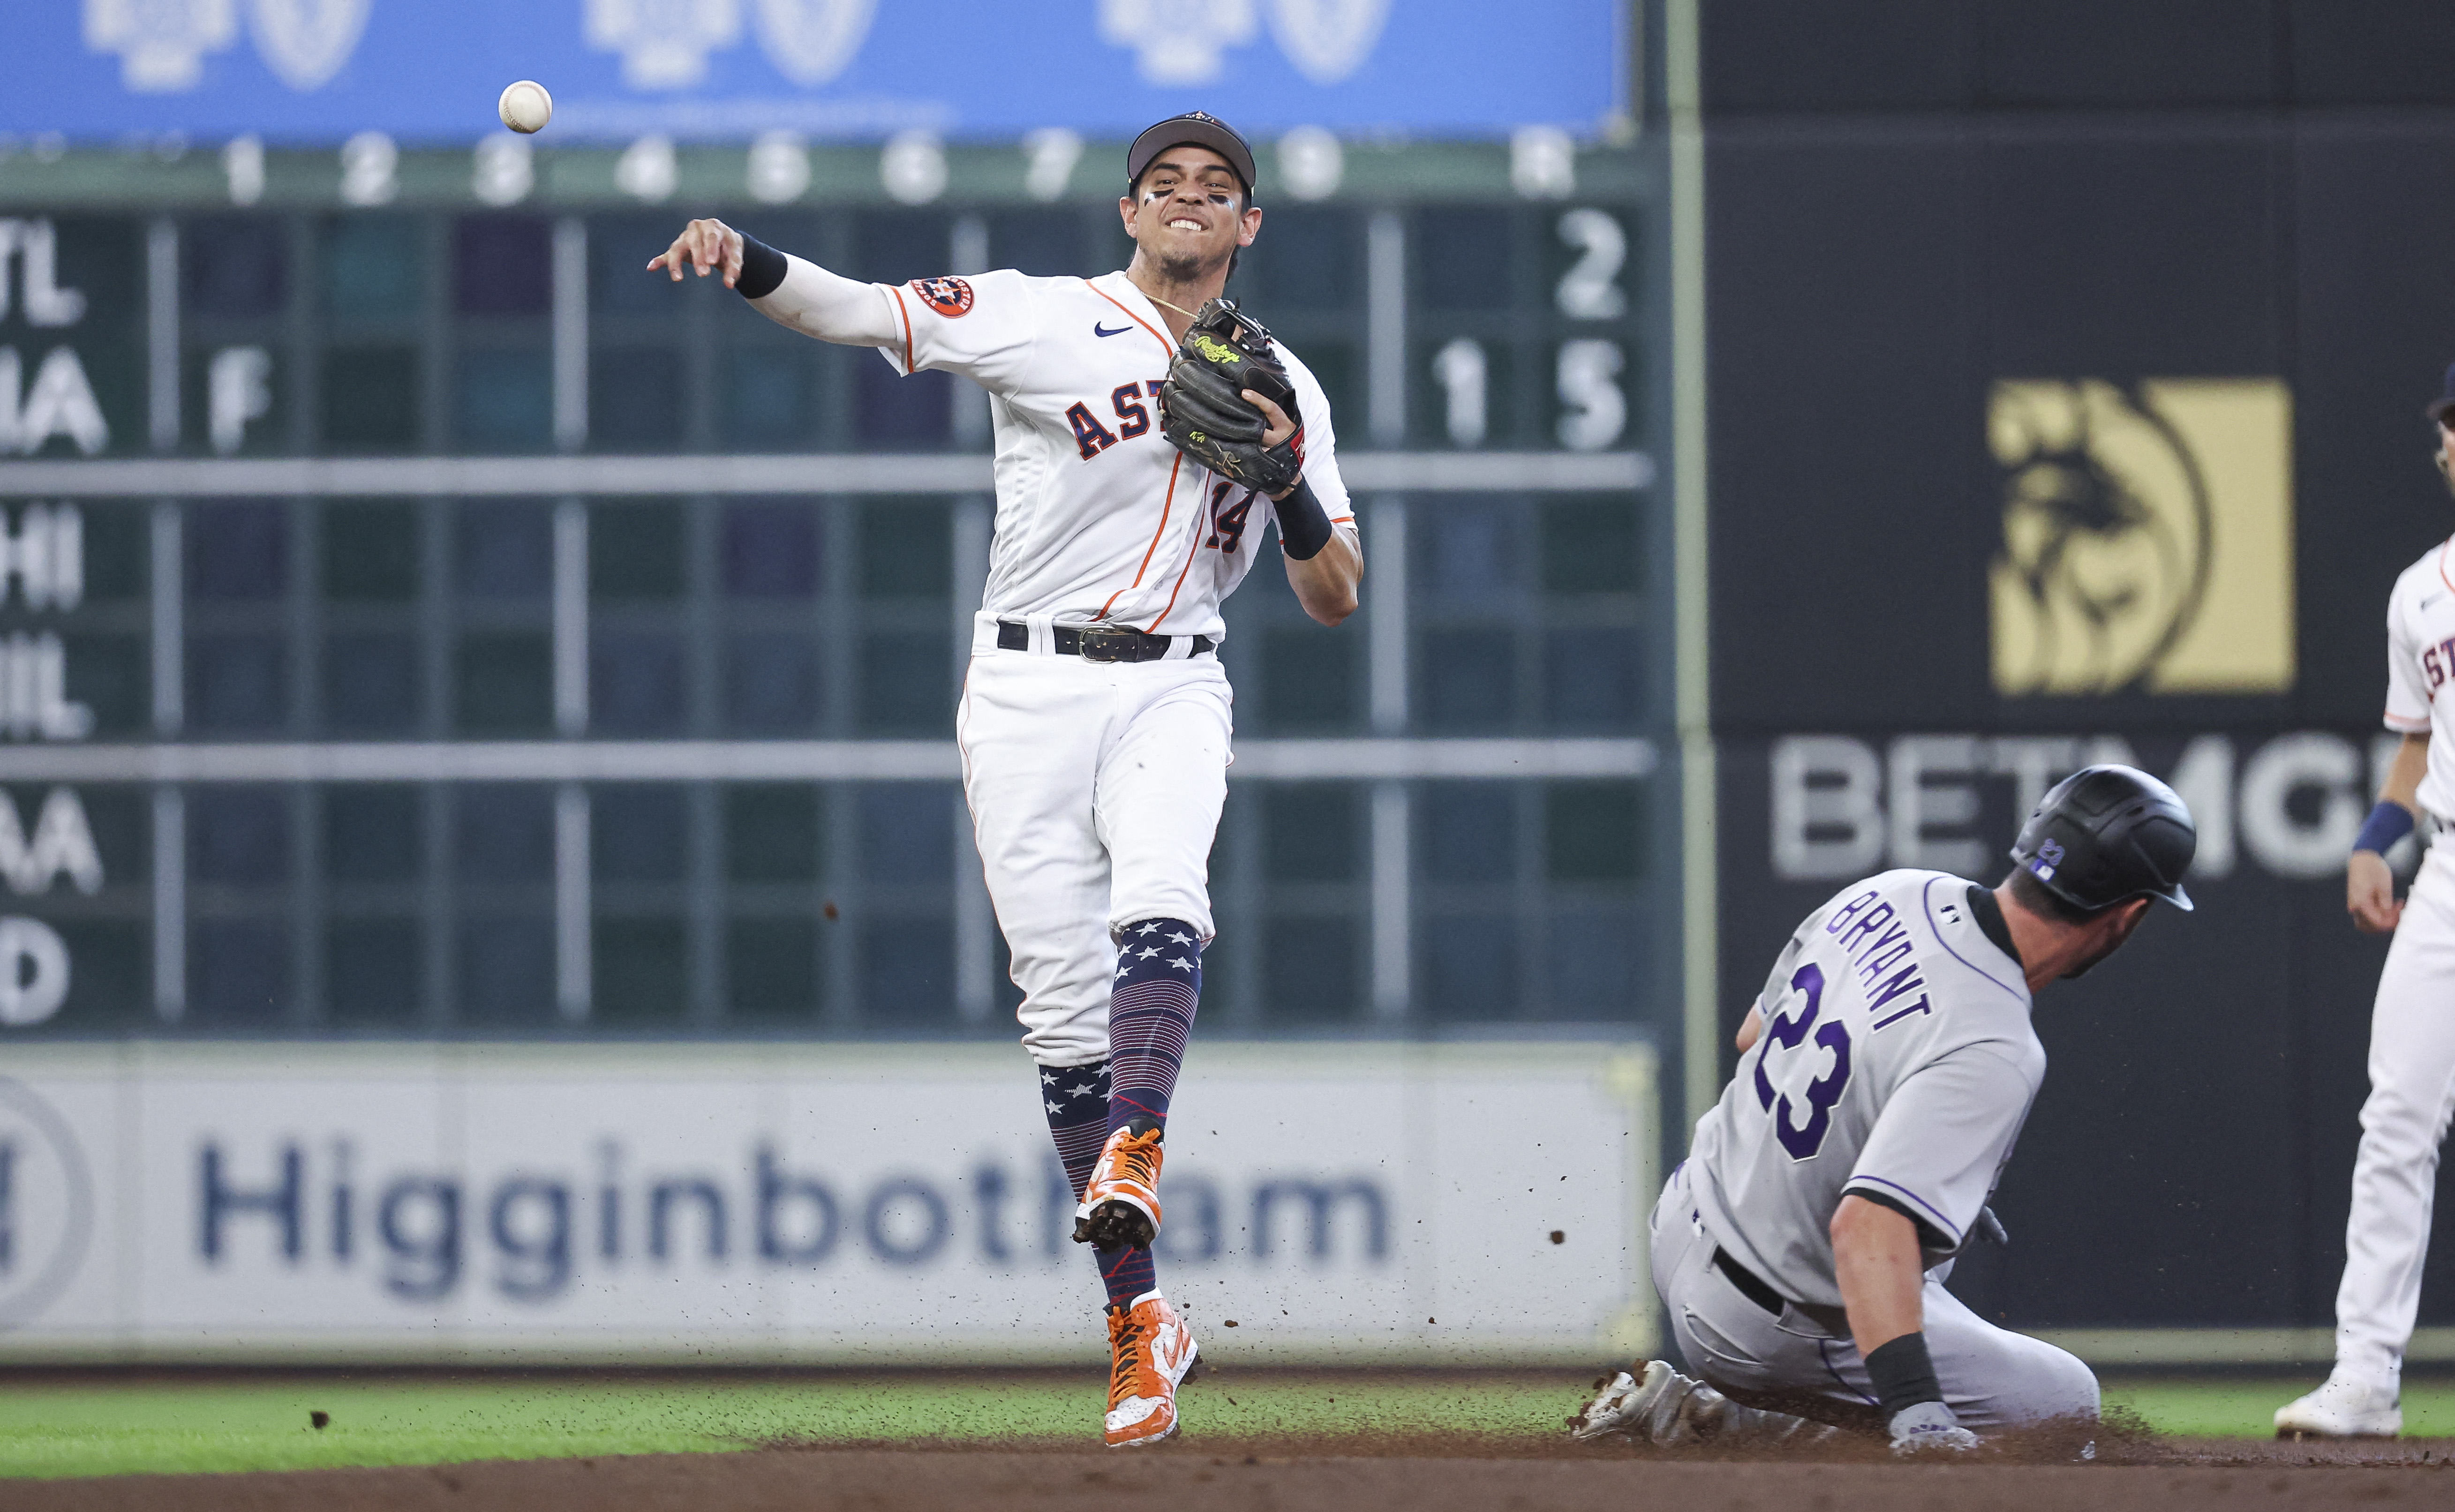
(1751, 1285)
(1099, 642)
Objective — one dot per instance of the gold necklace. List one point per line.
(1179, 308)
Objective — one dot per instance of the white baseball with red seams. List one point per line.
(526, 106)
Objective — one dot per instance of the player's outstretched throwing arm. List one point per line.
(787, 289)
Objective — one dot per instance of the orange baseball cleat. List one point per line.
(1151, 1352)
(1121, 1203)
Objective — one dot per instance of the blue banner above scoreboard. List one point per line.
(429, 70)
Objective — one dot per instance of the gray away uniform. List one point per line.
(1897, 1064)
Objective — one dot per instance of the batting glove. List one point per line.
(1930, 1428)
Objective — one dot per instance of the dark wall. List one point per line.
(1908, 204)
(1800, 56)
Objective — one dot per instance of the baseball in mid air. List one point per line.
(526, 106)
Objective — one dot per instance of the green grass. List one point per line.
(2244, 1407)
(174, 1427)
(96, 1427)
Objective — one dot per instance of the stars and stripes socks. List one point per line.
(1150, 1015)
(1076, 1100)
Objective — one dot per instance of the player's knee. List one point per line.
(2066, 1386)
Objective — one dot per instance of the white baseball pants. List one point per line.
(2412, 1092)
(1992, 1377)
(1095, 791)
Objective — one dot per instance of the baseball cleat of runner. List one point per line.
(1643, 1401)
(1151, 1352)
(2344, 1408)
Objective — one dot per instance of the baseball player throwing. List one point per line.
(2413, 1040)
(1884, 1073)
(1145, 430)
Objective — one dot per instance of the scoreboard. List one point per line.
(418, 619)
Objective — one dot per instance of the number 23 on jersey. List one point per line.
(1788, 1029)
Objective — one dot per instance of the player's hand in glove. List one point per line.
(1203, 407)
(1930, 1428)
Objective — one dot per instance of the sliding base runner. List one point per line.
(1883, 1077)
(1134, 475)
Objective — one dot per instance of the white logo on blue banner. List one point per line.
(1176, 41)
(1327, 40)
(664, 42)
(306, 42)
(810, 40)
(161, 43)
(322, 71)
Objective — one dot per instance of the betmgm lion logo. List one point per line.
(2147, 536)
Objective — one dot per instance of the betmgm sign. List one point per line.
(807, 1203)
(2147, 548)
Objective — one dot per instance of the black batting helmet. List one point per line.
(2106, 834)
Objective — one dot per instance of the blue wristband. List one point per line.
(2388, 822)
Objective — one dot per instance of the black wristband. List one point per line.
(1903, 1374)
(762, 269)
(1303, 525)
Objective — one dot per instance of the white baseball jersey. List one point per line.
(1099, 518)
(2420, 662)
(1897, 1063)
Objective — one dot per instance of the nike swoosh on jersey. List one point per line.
(1099, 330)
(2432, 598)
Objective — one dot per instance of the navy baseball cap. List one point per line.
(1199, 128)
(2446, 401)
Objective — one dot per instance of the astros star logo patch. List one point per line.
(951, 297)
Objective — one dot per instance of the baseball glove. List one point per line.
(1202, 408)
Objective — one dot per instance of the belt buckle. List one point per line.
(1108, 643)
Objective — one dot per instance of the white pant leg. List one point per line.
(1160, 788)
(2404, 1121)
(1030, 737)
(1991, 1376)
(1095, 789)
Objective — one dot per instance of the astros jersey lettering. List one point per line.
(1897, 1063)
(1099, 518)
(2420, 662)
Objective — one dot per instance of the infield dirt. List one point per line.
(1295, 1474)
